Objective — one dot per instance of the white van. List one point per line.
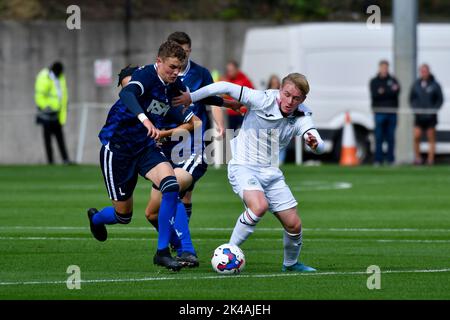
(339, 60)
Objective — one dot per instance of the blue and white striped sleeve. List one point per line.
(141, 79)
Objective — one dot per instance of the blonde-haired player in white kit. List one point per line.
(274, 117)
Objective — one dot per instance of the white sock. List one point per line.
(292, 246)
(245, 225)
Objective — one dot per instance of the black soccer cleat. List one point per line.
(164, 259)
(98, 231)
(187, 259)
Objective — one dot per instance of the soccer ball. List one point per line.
(228, 259)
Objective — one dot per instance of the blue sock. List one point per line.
(105, 216)
(175, 241)
(182, 229)
(167, 212)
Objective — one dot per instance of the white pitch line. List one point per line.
(149, 228)
(226, 239)
(273, 275)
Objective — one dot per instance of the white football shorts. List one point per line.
(269, 180)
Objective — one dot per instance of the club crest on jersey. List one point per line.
(157, 107)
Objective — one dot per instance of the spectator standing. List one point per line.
(51, 100)
(384, 90)
(426, 99)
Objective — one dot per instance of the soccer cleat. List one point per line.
(298, 267)
(98, 231)
(164, 259)
(187, 259)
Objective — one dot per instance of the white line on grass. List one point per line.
(315, 185)
(226, 239)
(149, 228)
(273, 275)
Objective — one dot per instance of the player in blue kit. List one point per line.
(179, 238)
(192, 167)
(129, 149)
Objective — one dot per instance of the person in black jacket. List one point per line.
(384, 90)
(426, 99)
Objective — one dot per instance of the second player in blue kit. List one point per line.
(190, 167)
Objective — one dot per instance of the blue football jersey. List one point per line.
(123, 130)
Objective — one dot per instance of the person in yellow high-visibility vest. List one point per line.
(51, 100)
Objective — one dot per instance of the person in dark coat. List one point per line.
(426, 99)
(384, 90)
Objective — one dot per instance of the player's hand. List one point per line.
(152, 131)
(311, 141)
(183, 99)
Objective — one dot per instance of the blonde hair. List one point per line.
(297, 80)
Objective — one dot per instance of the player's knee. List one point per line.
(124, 218)
(294, 227)
(259, 208)
(169, 184)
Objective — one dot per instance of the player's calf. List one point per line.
(152, 217)
(169, 188)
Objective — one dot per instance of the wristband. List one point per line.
(142, 117)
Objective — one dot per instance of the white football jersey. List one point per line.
(264, 130)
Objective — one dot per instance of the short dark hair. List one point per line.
(383, 62)
(171, 49)
(57, 68)
(125, 72)
(180, 37)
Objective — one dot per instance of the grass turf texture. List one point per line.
(396, 218)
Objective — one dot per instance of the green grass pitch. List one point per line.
(395, 218)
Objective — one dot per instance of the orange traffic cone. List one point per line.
(348, 147)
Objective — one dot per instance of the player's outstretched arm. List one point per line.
(218, 88)
(193, 123)
(232, 104)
